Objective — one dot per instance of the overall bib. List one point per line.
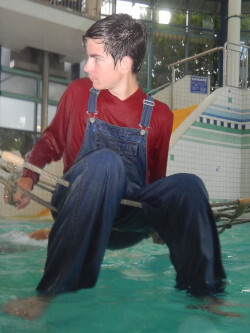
(110, 166)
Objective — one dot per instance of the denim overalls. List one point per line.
(110, 166)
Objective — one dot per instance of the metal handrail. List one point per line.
(179, 62)
(159, 88)
(73, 5)
(244, 64)
(81, 7)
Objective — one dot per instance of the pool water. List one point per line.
(135, 291)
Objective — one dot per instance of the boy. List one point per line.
(114, 142)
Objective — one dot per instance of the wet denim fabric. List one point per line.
(111, 165)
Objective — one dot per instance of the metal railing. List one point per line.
(91, 8)
(235, 75)
(235, 65)
(72, 5)
(158, 89)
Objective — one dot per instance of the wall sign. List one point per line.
(199, 85)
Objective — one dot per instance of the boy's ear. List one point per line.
(126, 64)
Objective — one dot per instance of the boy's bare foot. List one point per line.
(27, 308)
(213, 306)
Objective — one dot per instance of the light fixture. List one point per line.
(164, 16)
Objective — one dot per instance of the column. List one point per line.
(233, 39)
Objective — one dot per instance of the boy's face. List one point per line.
(101, 68)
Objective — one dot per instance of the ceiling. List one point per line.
(25, 23)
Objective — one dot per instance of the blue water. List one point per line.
(135, 291)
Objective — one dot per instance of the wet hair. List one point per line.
(121, 36)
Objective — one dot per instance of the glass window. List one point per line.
(56, 90)
(124, 7)
(5, 57)
(16, 114)
(136, 10)
(18, 84)
(17, 140)
(51, 114)
(38, 118)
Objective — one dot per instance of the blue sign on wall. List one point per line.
(199, 85)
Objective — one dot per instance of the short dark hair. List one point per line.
(121, 36)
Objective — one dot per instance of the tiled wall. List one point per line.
(182, 96)
(216, 146)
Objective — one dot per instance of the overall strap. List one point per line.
(93, 101)
(148, 105)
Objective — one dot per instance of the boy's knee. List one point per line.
(190, 184)
(108, 158)
(105, 162)
(192, 180)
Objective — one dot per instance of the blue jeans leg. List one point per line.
(81, 230)
(177, 207)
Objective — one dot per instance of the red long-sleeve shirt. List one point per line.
(64, 136)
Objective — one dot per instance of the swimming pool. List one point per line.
(135, 291)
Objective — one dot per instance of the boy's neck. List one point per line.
(126, 88)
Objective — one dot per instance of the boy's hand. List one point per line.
(19, 199)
